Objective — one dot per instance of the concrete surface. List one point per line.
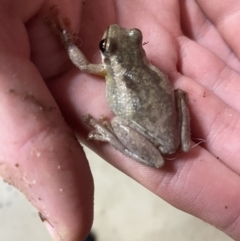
(124, 211)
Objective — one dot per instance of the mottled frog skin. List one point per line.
(151, 118)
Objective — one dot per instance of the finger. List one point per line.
(225, 17)
(39, 153)
(209, 71)
(162, 13)
(199, 28)
(214, 115)
(214, 122)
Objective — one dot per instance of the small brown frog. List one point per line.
(151, 119)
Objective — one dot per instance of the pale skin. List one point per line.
(200, 55)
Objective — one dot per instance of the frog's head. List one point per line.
(121, 44)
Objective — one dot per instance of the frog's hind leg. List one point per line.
(102, 131)
(184, 120)
(129, 142)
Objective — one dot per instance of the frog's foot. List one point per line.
(128, 141)
(105, 121)
(61, 27)
(102, 131)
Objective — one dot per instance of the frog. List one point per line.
(151, 119)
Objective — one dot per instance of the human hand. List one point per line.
(39, 153)
(203, 182)
(195, 54)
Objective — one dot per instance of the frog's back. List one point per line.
(145, 96)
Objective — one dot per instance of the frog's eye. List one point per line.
(102, 45)
(107, 46)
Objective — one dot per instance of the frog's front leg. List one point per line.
(184, 120)
(76, 56)
(80, 61)
(126, 140)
